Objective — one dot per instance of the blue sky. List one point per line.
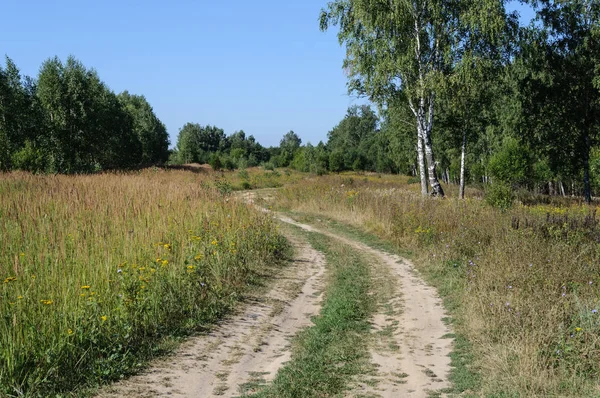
(259, 66)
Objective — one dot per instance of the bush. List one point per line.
(29, 158)
(414, 180)
(228, 164)
(243, 174)
(513, 164)
(500, 195)
(215, 162)
(336, 162)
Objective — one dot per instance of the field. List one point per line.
(522, 285)
(101, 273)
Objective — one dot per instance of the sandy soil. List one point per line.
(246, 350)
(413, 360)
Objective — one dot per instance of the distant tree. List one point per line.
(512, 164)
(88, 127)
(151, 132)
(196, 143)
(21, 118)
(353, 137)
(560, 86)
(290, 143)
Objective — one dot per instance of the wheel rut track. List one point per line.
(417, 361)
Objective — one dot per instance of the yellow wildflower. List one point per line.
(167, 246)
(165, 262)
(21, 254)
(578, 329)
(104, 318)
(198, 256)
(190, 267)
(214, 242)
(70, 332)
(158, 260)
(46, 302)
(20, 298)
(10, 279)
(85, 287)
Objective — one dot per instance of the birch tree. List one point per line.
(404, 49)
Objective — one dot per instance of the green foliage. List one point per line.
(151, 132)
(500, 195)
(336, 161)
(29, 158)
(289, 145)
(196, 143)
(512, 164)
(215, 162)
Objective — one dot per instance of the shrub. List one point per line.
(499, 195)
(215, 162)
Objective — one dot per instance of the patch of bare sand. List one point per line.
(244, 351)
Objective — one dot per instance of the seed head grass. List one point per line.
(522, 285)
(96, 270)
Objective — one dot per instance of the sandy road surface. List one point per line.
(414, 360)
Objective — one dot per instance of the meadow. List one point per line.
(522, 285)
(101, 272)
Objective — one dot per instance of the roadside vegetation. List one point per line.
(100, 273)
(521, 284)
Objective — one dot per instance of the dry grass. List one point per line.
(96, 269)
(524, 284)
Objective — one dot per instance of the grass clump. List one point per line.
(327, 355)
(97, 272)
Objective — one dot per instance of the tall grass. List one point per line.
(96, 270)
(524, 284)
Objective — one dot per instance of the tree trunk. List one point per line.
(421, 159)
(436, 187)
(550, 188)
(587, 190)
(461, 189)
(562, 188)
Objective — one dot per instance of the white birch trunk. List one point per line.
(461, 189)
(436, 187)
(421, 160)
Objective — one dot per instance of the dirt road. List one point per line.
(408, 350)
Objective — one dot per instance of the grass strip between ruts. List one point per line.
(329, 354)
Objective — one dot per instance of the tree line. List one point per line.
(68, 121)
(461, 93)
(478, 96)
